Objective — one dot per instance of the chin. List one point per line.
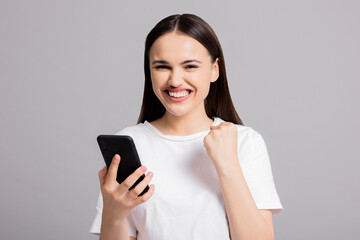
(179, 111)
(176, 113)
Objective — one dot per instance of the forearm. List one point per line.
(111, 230)
(245, 219)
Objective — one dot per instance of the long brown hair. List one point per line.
(218, 103)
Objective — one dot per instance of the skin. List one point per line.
(186, 118)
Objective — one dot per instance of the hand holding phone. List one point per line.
(125, 147)
(117, 199)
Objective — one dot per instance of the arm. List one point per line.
(246, 221)
(114, 231)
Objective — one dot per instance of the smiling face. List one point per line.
(181, 72)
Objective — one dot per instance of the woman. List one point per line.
(212, 174)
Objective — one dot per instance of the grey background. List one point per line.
(71, 70)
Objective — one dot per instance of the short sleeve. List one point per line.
(259, 176)
(96, 224)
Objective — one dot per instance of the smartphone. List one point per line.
(125, 147)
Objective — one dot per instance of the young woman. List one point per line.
(212, 174)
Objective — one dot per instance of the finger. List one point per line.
(112, 171)
(214, 127)
(140, 186)
(144, 197)
(102, 175)
(130, 180)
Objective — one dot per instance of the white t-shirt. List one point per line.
(187, 202)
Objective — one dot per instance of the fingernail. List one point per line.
(143, 168)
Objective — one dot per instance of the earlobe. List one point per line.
(215, 70)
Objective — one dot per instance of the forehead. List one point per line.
(177, 47)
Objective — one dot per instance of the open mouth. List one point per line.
(179, 94)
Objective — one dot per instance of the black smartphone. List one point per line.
(125, 147)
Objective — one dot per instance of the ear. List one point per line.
(215, 71)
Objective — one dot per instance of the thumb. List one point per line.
(112, 171)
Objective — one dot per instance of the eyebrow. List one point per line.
(184, 62)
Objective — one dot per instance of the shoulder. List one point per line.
(250, 141)
(249, 132)
(252, 149)
(140, 133)
(130, 130)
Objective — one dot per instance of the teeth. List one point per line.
(178, 94)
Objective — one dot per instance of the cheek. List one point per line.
(200, 80)
(159, 77)
(157, 81)
(156, 90)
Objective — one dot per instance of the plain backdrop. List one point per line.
(71, 70)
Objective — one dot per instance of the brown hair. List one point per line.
(218, 103)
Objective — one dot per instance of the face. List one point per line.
(181, 73)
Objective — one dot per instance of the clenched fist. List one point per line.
(221, 145)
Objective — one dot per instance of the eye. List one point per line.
(191, 66)
(161, 66)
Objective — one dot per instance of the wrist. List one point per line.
(228, 169)
(112, 220)
(114, 229)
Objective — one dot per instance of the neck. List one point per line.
(194, 122)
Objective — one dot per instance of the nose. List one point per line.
(176, 78)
